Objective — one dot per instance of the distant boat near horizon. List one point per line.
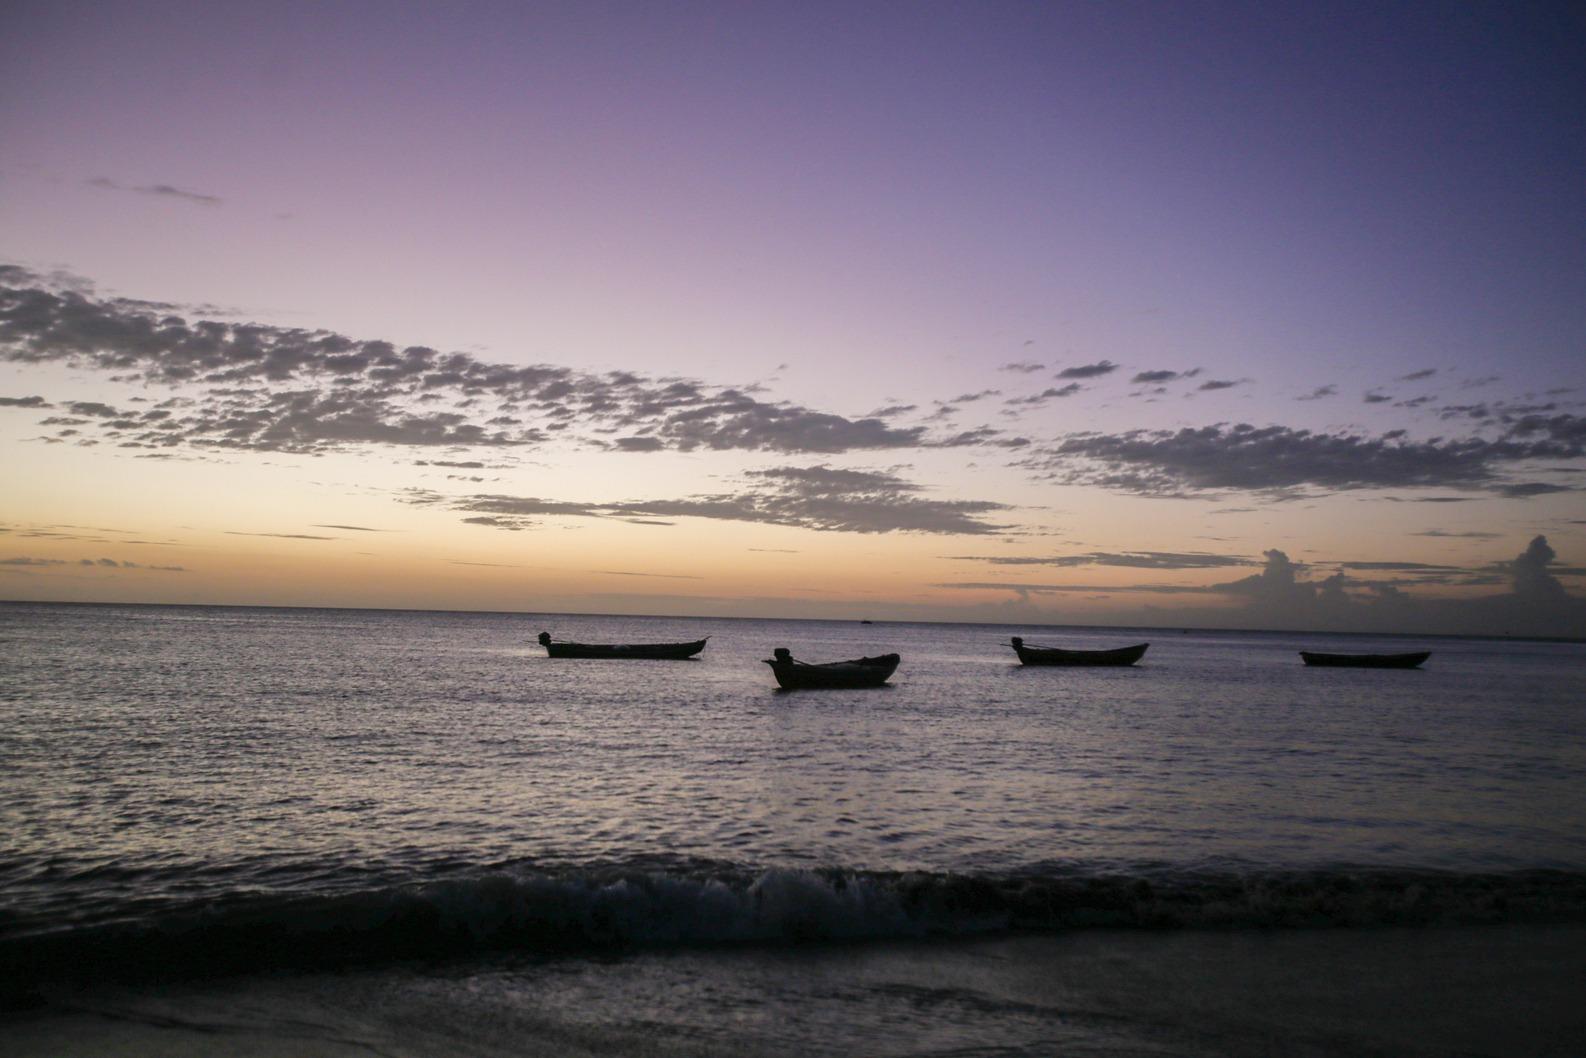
(859, 672)
(1365, 661)
(633, 651)
(1059, 656)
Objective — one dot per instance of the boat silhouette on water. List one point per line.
(639, 651)
(1365, 661)
(1059, 656)
(860, 672)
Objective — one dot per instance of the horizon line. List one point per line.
(1171, 629)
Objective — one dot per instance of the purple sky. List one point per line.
(856, 207)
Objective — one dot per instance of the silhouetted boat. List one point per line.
(1058, 656)
(1365, 661)
(860, 672)
(646, 651)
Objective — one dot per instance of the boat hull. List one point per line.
(837, 675)
(1365, 661)
(626, 651)
(1058, 656)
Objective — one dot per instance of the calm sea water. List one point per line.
(207, 789)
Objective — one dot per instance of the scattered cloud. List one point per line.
(1096, 370)
(1320, 392)
(1526, 489)
(96, 563)
(1279, 459)
(627, 573)
(157, 190)
(1126, 559)
(1023, 367)
(1026, 590)
(350, 528)
(1416, 376)
(1153, 378)
(823, 498)
(1050, 393)
(282, 536)
(970, 398)
(1213, 384)
(261, 387)
(1398, 566)
(24, 402)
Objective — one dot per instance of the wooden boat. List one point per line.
(860, 672)
(645, 651)
(1058, 656)
(1365, 661)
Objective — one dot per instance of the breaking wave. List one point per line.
(591, 910)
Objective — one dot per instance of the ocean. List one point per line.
(292, 832)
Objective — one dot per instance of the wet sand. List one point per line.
(1504, 990)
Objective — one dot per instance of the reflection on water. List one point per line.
(150, 751)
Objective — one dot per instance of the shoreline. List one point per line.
(1487, 990)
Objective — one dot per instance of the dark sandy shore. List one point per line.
(1505, 990)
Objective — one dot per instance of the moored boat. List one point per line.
(859, 672)
(1365, 661)
(642, 651)
(1059, 656)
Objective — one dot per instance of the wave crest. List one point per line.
(593, 910)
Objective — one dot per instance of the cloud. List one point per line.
(1526, 489)
(24, 402)
(157, 190)
(823, 498)
(1158, 377)
(94, 408)
(1531, 577)
(96, 563)
(1046, 589)
(1277, 583)
(1024, 367)
(1319, 392)
(1398, 566)
(282, 536)
(1126, 559)
(970, 398)
(351, 528)
(1213, 384)
(627, 573)
(1279, 459)
(509, 523)
(1051, 393)
(1096, 370)
(1416, 376)
(262, 387)
(1444, 534)
(1537, 605)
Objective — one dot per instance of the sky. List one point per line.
(1213, 315)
